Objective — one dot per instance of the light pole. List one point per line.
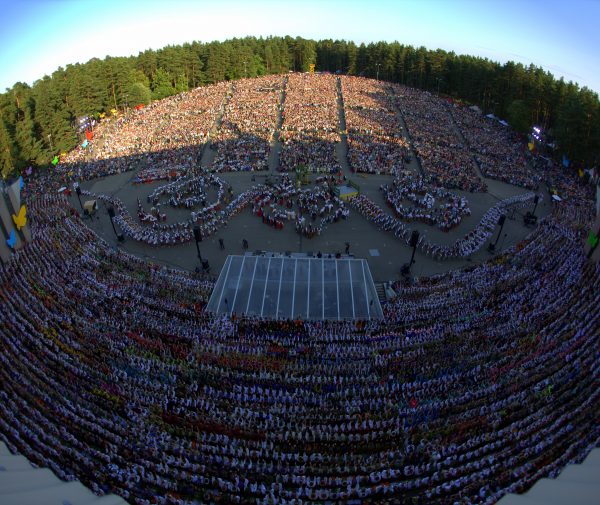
(501, 220)
(245, 71)
(78, 192)
(198, 239)
(438, 84)
(377, 65)
(111, 213)
(50, 139)
(414, 240)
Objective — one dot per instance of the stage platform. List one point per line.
(296, 286)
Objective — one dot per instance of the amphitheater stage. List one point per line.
(296, 286)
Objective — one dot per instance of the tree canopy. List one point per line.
(40, 120)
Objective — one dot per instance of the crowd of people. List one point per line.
(155, 215)
(375, 140)
(209, 219)
(498, 150)
(243, 140)
(193, 192)
(311, 209)
(462, 247)
(441, 153)
(477, 382)
(406, 186)
(149, 175)
(310, 128)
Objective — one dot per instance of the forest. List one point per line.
(39, 121)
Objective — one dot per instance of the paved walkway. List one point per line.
(274, 153)
(341, 148)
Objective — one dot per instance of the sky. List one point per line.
(562, 36)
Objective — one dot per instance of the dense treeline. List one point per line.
(38, 121)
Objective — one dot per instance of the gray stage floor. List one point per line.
(365, 239)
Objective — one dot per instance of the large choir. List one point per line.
(445, 160)
(477, 382)
(249, 121)
(447, 214)
(496, 148)
(310, 209)
(462, 247)
(376, 143)
(310, 129)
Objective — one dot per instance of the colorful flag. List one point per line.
(55, 160)
(593, 239)
(88, 134)
(85, 143)
(12, 239)
(20, 219)
(566, 161)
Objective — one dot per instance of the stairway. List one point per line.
(380, 289)
(23, 484)
(577, 484)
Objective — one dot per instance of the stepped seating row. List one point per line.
(478, 383)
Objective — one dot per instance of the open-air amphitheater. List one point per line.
(282, 377)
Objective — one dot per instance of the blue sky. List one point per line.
(563, 37)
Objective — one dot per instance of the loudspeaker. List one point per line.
(414, 238)
(111, 212)
(197, 234)
(502, 219)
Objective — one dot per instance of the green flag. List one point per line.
(55, 161)
(593, 240)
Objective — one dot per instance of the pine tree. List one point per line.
(161, 85)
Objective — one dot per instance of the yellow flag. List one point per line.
(20, 219)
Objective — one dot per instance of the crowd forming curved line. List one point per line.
(433, 205)
(310, 209)
(476, 383)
